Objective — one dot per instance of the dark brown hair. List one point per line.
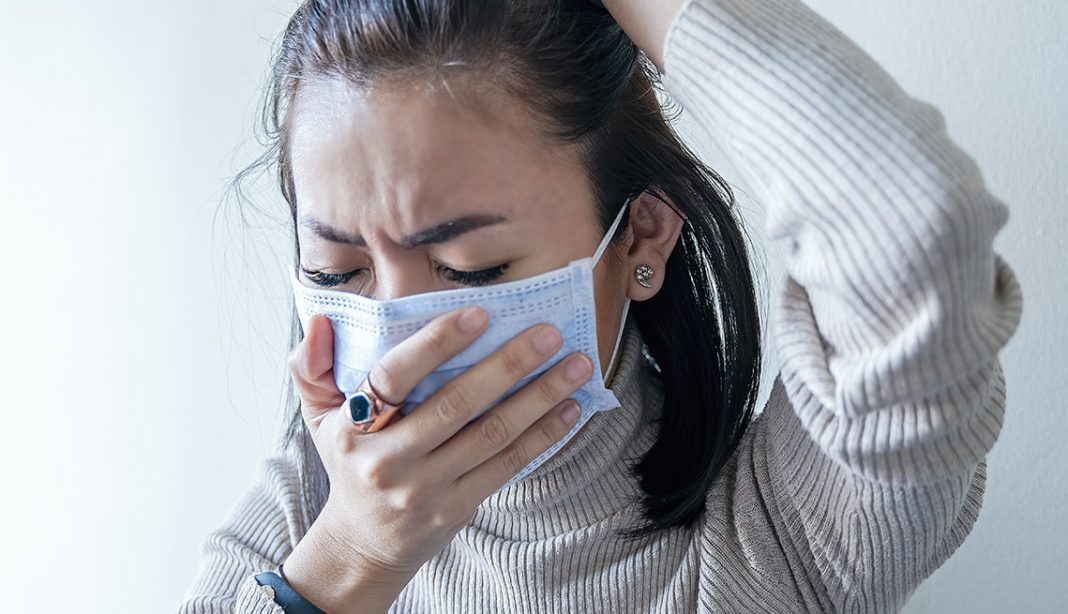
(591, 87)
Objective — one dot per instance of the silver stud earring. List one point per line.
(643, 273)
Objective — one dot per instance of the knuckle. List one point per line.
(514, 458)
(346, 444)
(449, 517)
(493, 430)
(406, 499)
(440, 520)
(377, 474)
(512, 362)
(295, 362)
(548, 390)
(453, 406)
(552, 431)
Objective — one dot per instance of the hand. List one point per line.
(399, 495)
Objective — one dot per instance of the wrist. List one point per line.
(319, 571)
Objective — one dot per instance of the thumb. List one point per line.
(320, 340)
(311, 366)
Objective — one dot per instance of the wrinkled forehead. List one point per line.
(406, 152)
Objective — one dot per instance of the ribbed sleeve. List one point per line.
(260, 532)
(895, 306)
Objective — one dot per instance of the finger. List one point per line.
(406, 364)
(482, 439)
(482, 481)
(446, 411)
(311, 366)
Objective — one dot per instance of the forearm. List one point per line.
(646, 23)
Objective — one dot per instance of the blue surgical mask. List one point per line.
(365, 329)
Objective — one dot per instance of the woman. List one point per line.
(436, 152)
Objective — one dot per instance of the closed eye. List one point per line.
(327, 280)
(472, 278)
(467, 278)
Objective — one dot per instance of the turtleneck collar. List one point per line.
(589, 480)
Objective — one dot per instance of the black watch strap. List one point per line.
(274, 584)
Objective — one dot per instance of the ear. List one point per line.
(655, 224)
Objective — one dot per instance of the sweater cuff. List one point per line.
(252, 600)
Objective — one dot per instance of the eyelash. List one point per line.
(467, 278)
(327, 280)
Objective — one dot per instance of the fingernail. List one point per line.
(471, 320)
(547, 340)
(578, 368)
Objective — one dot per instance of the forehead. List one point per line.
(404, 112)
(406, 150)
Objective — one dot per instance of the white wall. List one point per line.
(145, 346)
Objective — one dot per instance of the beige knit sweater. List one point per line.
(865, 470)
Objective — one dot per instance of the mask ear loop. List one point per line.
(611, 232)
(626, 299)
(619, 338)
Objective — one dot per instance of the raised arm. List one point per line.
(869, 459)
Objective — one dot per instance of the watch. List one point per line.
(273, 584)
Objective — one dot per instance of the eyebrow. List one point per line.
(441, 233)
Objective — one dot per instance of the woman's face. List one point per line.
(407, 189)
